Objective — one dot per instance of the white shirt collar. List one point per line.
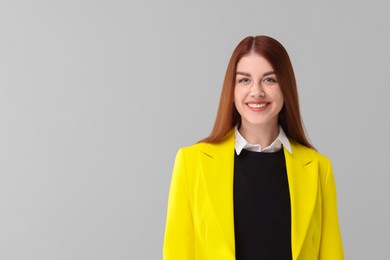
(281, 140)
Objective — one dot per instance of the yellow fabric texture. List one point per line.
(200, 220)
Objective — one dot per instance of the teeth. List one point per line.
(256, 105)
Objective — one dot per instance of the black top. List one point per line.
(262, 212)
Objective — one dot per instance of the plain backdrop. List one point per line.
(97, 96)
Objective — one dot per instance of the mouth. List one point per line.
(257, 105)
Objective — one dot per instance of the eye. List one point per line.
(270, 80)
(244, 80)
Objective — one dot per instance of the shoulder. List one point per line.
(305, 153)
(310, 156)
(191, 152)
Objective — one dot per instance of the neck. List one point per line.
(263, 135)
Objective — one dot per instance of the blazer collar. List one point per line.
(217, 169)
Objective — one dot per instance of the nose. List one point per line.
(257, 91)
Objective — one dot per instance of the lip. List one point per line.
(257, 106)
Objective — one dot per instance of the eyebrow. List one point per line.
(248, 75)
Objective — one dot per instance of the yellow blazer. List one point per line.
(200, 221)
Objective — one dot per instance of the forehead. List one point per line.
(254, 63)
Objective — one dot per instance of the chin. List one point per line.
(259, 120)
(257, 123)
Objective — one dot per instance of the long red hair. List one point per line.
(289, 117)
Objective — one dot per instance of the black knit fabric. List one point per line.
(262, 212)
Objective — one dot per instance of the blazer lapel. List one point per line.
(217, 167)
(302, 172)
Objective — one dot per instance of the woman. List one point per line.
(255, 188)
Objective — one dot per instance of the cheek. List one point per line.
(236, 98)
(281, 99)
(279, 95)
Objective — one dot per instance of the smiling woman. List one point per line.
(255, 188)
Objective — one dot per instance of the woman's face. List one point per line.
(257, 95)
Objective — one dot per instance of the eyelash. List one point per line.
(266, 80)
(270, 79)
(243, 80)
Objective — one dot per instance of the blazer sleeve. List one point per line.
(331, 244)
(179, 231)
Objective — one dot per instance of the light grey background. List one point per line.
(97, 96)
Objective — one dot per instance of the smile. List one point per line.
(252, 105)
